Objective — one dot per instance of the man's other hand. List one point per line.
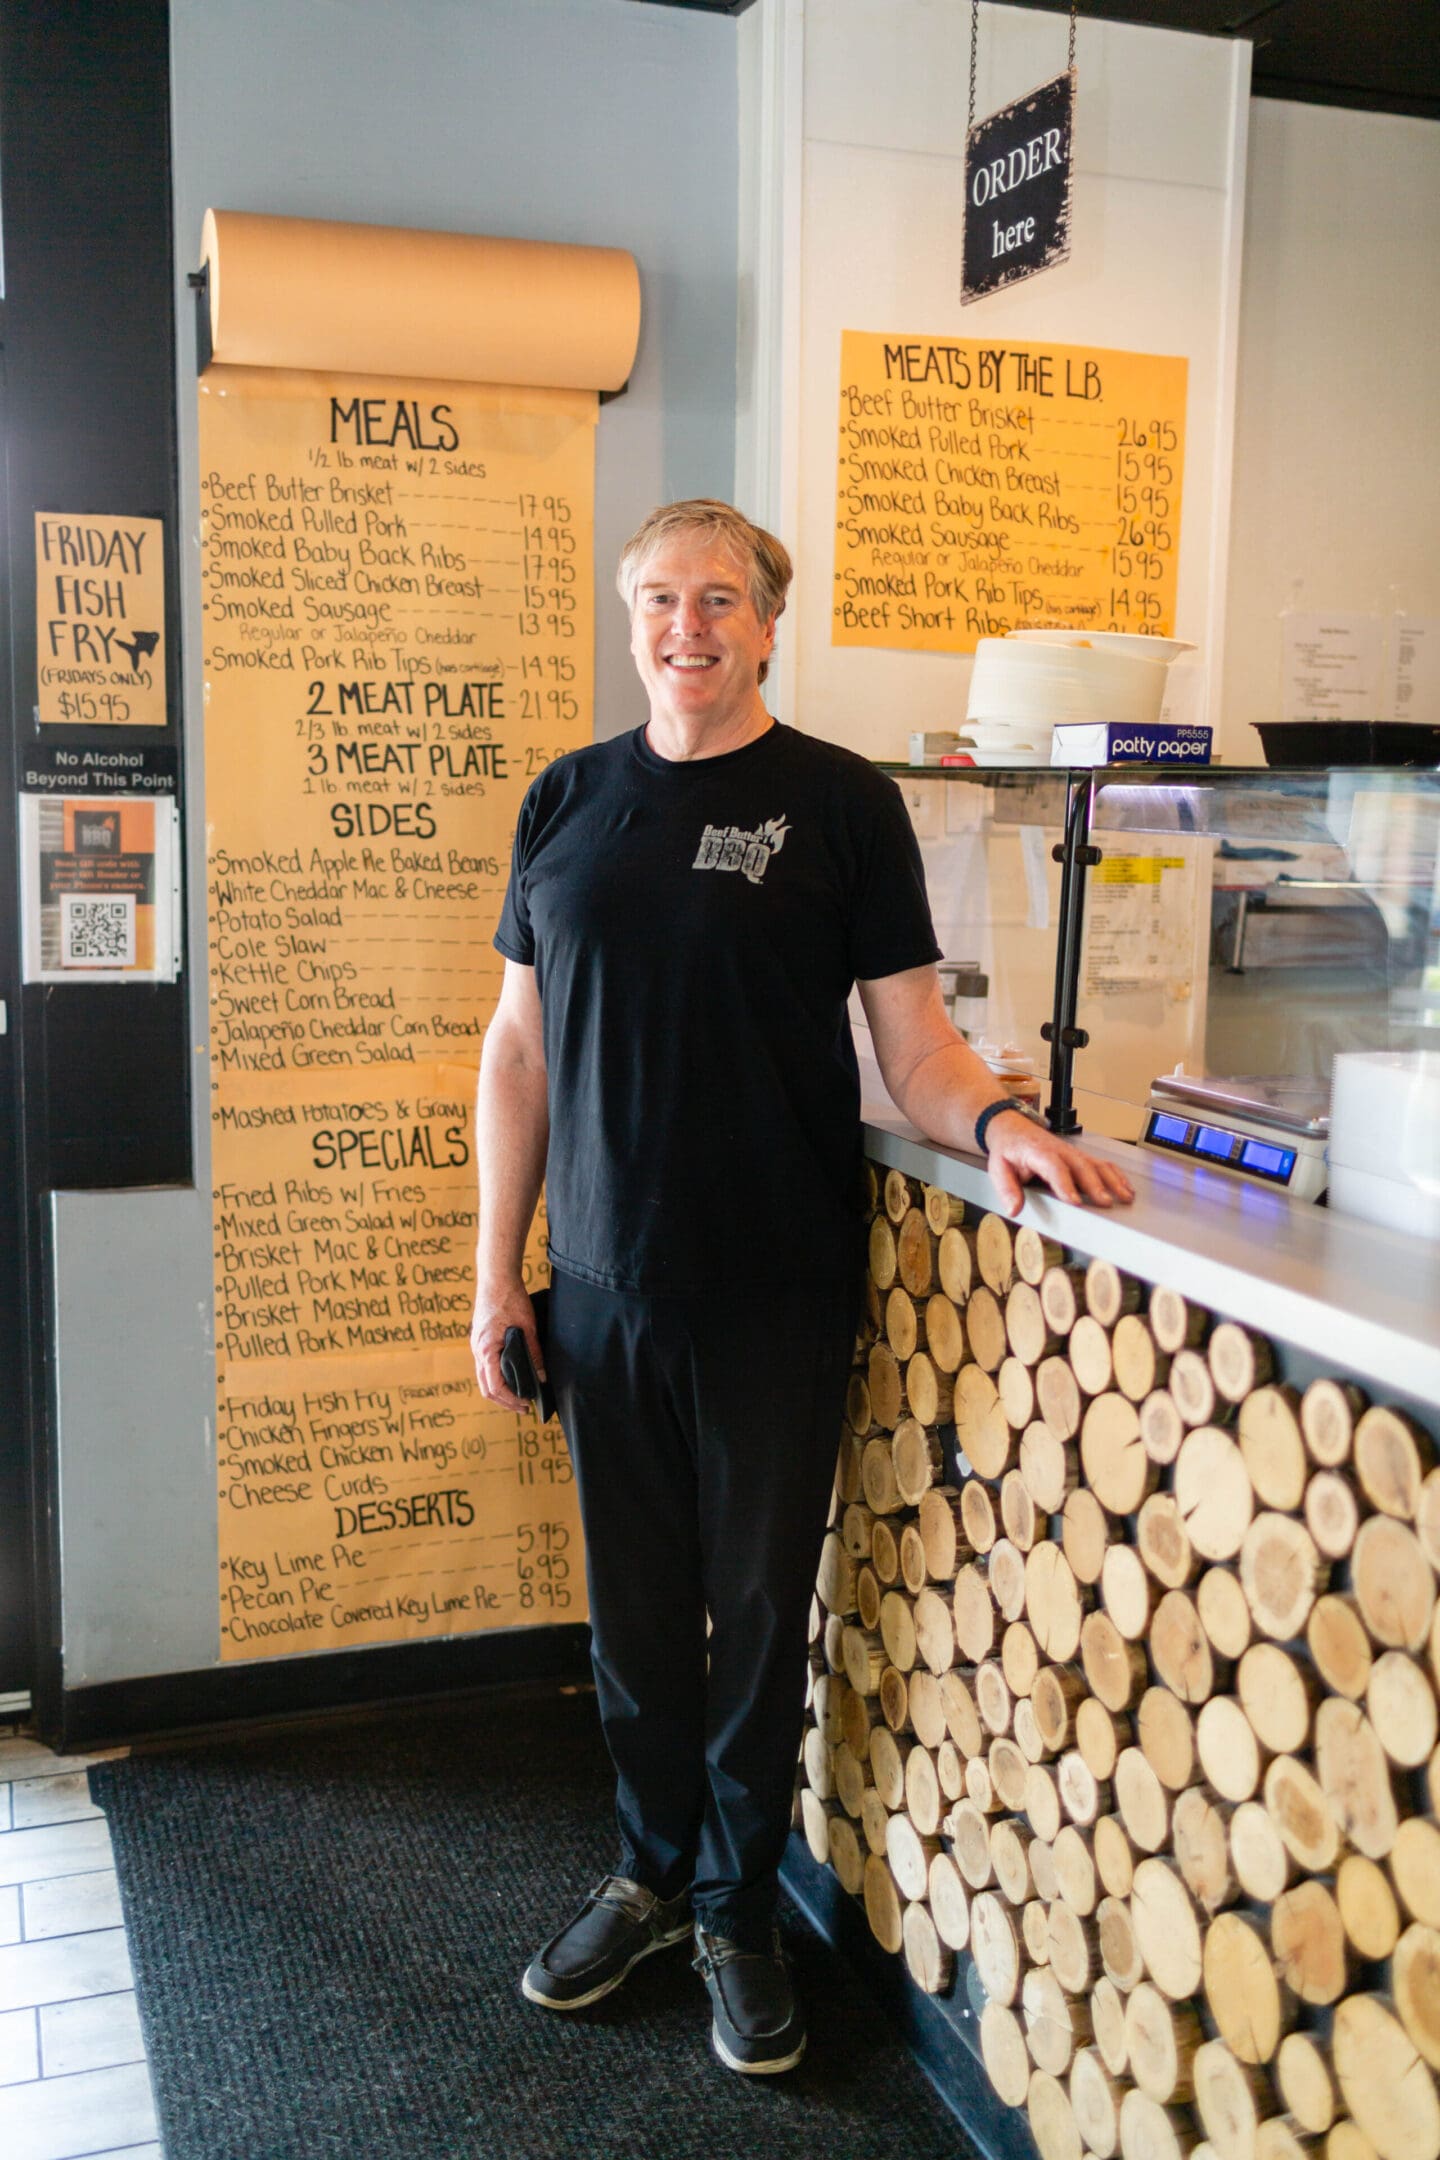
(1020, 1152)
(498, 1307)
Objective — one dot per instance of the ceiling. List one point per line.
(1379, 55)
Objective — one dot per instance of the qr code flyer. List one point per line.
(100, 897)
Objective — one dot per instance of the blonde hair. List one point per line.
(763, 559)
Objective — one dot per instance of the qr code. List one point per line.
(97, 933)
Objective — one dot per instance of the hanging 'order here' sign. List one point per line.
(1017, 189)
(984, 487)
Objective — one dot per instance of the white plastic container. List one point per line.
(1385, 1138)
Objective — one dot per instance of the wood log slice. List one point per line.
(1095, 2097)
(932, 1625)
(1332, 1513)
(1084, 1535)
(868, 1596)
(1277, 1697)
(1164, 1543)
(973, 1608)
(1368, 1911)
(995, 1253)
(930, 1393)
(1083, 1797)
(815, 1815)
(992, 1697)
(1027, 1331)
(915, 1455)
(815, 1755)
(1355, 1777)
(949, 1902)
(1119, 1951)
(1088, 1350)
(942, 1532)
(899, 1194)
(957, 1263)
(1149, 2130)
(923, 1798)
(950, 1770)
(1335, 1634)
(970, 1843)
(888, 1753)
(897, 1629)
(902, 1323)
(1055, 2024)
(1393, 1456)
(1107, 2015)
(1415, 1866)
(914, 1252)
(895, 1699)
(1161, 2039)
(1141, 1366)
(882, 1904)
(1020, 1659)
(944, 1334)
(1100, 1733)
(836, 1579)
(865, 1660)
(1052, 1603)
(874, 1821)
(1167, 1737)
(1073, 1947)
(1181, 1648)
(853, 1779)
(1017, 1511)
(985, 1330)
(1273, 1445)
(1415, 1978)
(910, 1852)
(1393, 1583)
(1281, 1574)
(1175, 1323)
(1347, 2141)
(1142, 1801)
(1114, 1857)
(1010, 1844)
(1075, 1875)
(1427, 1519)
(1006, 1576)
(1300, 1810)
(961, 1718)
(1200, 1831)
(1162, 1429)
(1109, 1294)
(829, 1698)
(977, 1510)
(877, 1477)
(1258, 1853)
(1035, 1254)
(1228, 1750)
(846, 1857)
(1027, 1733)
(942, 1209)
(885, 1551)
(995, 1946)
(1329, 1413)
(852, 1447)
(1213, 1492)
(1224, 1614)
(930, 1963)
(1116, 1669)
(859, 1716)
(1052, 2119)
(1057, 1393)
(1240, 1360)
(1004, 2053)
(1241, 1988)
(1127, 1592)
(1042, 1801)
(981, 1427)
(1048, 1467)
(1308, 1941)
(1009, 1772)
(883, 1257)
(914, 1573)
(1112, 1454)
(1383, 2081)
(1062, 1297)
(1302, 2075)
(857, 1526)
(1193, 1390)
(834, 1642)
(1401, 1704)
(1229, 2098)
(1056, 1693)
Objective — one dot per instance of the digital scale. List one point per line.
(1272, 1131)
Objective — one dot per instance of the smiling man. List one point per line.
(688, 909)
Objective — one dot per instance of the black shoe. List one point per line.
(759, 2027)
(616, 1926)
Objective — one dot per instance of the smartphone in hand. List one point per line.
(517, 1367)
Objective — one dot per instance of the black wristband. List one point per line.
(992, 1111)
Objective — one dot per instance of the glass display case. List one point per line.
(1244, 926)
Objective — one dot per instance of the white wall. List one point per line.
(1337, 444)
(874, 244)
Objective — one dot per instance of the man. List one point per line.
(687, 911)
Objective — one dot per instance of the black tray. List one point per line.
(1349, 742)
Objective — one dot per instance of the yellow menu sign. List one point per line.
(985, 488)
(398, 635)
(99, 620)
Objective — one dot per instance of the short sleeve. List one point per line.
(891, 929)
(514, 934)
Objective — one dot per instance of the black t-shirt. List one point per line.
(695, 929)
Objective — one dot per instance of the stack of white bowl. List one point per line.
(1025, 684)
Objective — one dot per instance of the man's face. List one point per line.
(697, 640)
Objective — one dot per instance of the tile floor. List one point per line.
(73, 2076)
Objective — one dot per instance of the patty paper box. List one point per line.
(1119, 742)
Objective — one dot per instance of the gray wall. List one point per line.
(587, 120)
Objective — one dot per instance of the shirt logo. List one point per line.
(728, 847)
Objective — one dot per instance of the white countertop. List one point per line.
(1348, 1293)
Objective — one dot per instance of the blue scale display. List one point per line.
(1262, 1128)
(1212, 1143)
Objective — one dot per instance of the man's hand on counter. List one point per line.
(1019, 1152)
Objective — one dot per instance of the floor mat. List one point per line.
(328, 1925)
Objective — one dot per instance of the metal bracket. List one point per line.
(1076, 854)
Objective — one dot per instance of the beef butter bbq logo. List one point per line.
(728, 847)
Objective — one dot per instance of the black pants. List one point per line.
(703, 1434)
